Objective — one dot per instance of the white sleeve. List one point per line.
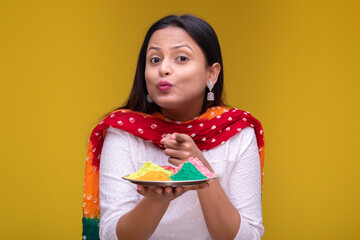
(245, 187)
(117, 196)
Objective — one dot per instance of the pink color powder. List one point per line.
(169, 168)
(199, 166)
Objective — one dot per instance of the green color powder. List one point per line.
(188, 172)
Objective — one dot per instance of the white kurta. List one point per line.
(236, 161)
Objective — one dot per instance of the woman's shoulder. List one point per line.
(116, 132)
(245, 135)
(119, 134)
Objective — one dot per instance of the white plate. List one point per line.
(187, 183)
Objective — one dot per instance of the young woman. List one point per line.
(175, 111)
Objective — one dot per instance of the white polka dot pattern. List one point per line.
(215, 130)
(236, 160)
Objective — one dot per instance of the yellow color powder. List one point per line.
(147, 167)
(154, 176)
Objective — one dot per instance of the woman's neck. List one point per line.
(182, 115)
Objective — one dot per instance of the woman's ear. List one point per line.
(213, 72)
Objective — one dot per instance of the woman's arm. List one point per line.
(238, 214)
(142, 220)
(244, 195)
(122, 215)
(222, 218)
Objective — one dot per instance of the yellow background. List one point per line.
(293, 64)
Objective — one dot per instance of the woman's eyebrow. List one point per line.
(176, 47)
(183, 45)
(155, 48)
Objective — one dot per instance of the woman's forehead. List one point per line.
(171, 37)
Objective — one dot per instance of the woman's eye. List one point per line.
(155, 60)
(182, 58)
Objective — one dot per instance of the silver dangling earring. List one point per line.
(210, 95)
(148, 98)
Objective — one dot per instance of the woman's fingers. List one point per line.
(167, 193)
(177, 154)
(140, 189)
(168, 136)
(178, 191)
(181, 138)
(178, 142)
(176, 137)
(159, 190)
(198, 187)
(146, 190)
(173, 144)
(204, 185)
(160, 193)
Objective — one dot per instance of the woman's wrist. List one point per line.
(206, 163)
(158, 203)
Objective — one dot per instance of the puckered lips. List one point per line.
(164, 85)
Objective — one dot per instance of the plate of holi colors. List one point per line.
(190, 173)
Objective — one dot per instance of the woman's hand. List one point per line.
(179, 147)
(166, 194)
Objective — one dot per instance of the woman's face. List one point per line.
(176, 72)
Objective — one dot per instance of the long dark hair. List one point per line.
(205, 37)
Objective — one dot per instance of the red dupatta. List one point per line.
(214, 127)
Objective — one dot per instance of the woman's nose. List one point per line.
(165, 68)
